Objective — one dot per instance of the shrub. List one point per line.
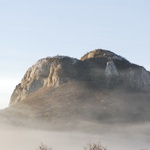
(94, 146)
(44, 147)
(90, 146)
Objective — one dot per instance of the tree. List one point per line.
(94, 146)
(44, 147)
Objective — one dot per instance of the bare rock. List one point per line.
(139, 78)
(111, 69)
(46, 72)
(101, 53)
(111, 73)
(99, 68)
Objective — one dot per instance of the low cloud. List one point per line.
(118, 138)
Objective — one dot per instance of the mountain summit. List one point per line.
(102, 87)
(101, 68)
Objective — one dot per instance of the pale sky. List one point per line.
(33, 29)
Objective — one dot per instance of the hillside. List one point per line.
(100, 88)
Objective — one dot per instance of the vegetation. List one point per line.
(90, 146)
(44, 147)
(94, 146)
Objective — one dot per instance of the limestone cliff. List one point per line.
(100, 68)
(139, 78)
(47, 72)
(111, 73)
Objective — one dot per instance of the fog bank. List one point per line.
(119, 138)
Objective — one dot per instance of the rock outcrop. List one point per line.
(99, 67)
(111, 73)
(101, 53)
(47, 72)
(139, 78)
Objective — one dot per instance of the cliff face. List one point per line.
(139, 78)
(47, 72)
(100, 68)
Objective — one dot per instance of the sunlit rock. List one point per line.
(99, 69)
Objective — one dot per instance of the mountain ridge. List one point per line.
(100, 88)
(97, 67)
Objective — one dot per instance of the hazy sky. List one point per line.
(33, 29)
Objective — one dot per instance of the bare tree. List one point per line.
(44, 147)
(90, 146)
(94, 146)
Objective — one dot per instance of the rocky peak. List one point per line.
(99, 67)
(47, 72)
(101, 53)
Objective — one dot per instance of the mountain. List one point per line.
(101, 87)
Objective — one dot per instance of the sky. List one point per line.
(34, 29)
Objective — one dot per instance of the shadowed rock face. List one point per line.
(99, 68)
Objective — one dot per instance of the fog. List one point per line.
(89, 115)
(121, 137)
